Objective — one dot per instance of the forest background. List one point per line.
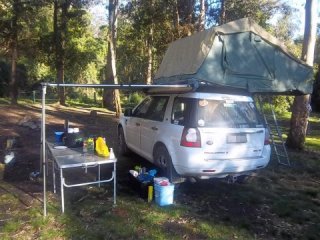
(62, 41)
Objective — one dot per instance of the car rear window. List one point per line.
(227, 113)
(183, 111)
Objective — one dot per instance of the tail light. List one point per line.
(267, 137)
(190, 138)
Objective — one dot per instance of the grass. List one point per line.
(128, 220)
(313, 134)
(313, 142)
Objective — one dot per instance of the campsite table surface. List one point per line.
(72, 158)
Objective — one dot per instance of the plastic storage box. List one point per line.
(164, 194)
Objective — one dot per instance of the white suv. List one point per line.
(197, 134)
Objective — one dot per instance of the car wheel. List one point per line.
(163, 159)
(122, 145)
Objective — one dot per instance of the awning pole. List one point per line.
(43, 144)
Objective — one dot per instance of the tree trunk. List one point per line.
(190, 11)
(150, 58)
(107, 93)
(14, 55)
(150, 45)
(202, 16)
(13, 78)
(222, 19)
(176, 19)
(60, 79)
(59, 44)
(116, 94)
(301, 104)
(113, 12)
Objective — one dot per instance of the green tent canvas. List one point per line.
(239, 54)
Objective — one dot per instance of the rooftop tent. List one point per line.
(239, 54)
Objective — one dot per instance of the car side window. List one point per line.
(141, 110)
(179, 111)
(157, 108)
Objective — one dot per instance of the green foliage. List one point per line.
(280, 104)
(285, 26)
(259, 11)
(85, 53)
(132, 99)
(135, 23)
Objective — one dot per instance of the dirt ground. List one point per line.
(208, 199)
(27, 141)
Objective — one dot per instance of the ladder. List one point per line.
(277, 142)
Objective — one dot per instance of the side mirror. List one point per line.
(127, 112)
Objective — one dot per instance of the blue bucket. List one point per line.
(58, 136)
(164, 194)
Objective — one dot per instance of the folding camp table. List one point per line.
(72, 158)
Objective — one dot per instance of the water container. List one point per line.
(58, 136)
(164, 194)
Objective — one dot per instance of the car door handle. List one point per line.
(138, 124)
(154, 128)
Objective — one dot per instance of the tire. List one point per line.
(162, 158)
(122, 145)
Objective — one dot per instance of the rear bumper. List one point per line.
(194, 165)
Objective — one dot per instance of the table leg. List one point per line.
(62, 191)
(54, 178)
(99, 175)
(47, 163)
(114, 184)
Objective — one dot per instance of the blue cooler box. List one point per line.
(164, 194)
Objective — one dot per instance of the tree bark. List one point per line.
(176, 18)
(107, 93)
(190, 11)
(13, 77)
(63, 35)
(14, 55)
(113, 12)
(202, 16)
(150, 57)
(150, 46)
(59, 33)
(222, 19)
(301, 104)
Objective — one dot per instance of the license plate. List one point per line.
(237, 138)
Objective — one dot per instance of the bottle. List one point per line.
(90, 145)
(111, 156)
(150, 193)
(85, 146)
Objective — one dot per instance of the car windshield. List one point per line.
(227, 113)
